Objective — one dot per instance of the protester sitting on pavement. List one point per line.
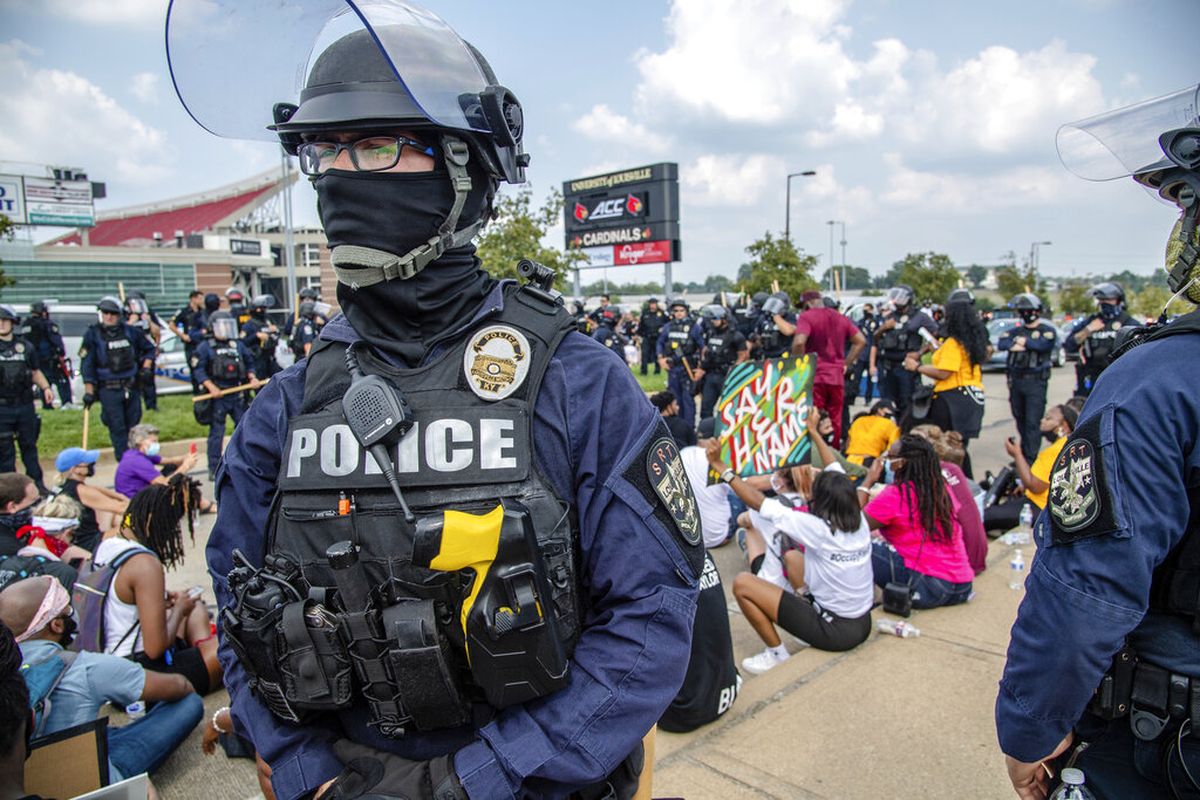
(163, 631)
(101, 507)
(823, 451)
(220, 728)
(38, 612)
(43, 546)
(141, 465)
(835, 612)
(18, 493)
(712, 501)
(668, 406)
(15, 720)
(1056, 426)
(967, 510)
(922, 543)
(757, 534)
(872, 433)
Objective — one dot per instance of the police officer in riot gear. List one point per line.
(1095, 337)
(1114, 584)
(649, 325)
(774, 328)
(895, 338)
(46, 338)
(1030, 348)
(222, 362)
(313, 315)
(678, 353)
(476, 571)
(307, 294)
(722, 346)
(139, 315)
(261, 336)
(235, 298)
(184, 324)
(111, 355)
(607, 336)
(19, 371)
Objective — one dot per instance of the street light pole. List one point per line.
(787, 215)
(1035, 254)
(831, 223)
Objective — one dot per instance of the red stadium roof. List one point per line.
(135, 226)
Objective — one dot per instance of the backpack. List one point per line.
(89, 598)
(42, 678)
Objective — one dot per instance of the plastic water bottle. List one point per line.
(1072, 787)
(1016, 570)
(898, 627)
(1016, 536)
(1026, 520)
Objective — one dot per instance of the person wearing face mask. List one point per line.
(677, 350)
(1030, 347)
(1034, 489)
(260, 336)
(99, 505)
(1095, 336)
(43, 545)
(872, 433)
(139, 315)
(142, 464)
(722, 346)
(18, 494)
(521, 427)
(111, 355)
(19, 422)
(38, 612)
(224, 362)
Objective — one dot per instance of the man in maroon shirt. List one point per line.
(825, 331)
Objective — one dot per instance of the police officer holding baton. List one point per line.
(19, 371)
(1030, 348)
(457, 553)
(1106, 646)
(222, 363)
(677, 351)
(46, 338)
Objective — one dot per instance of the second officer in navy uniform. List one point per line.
(111, 355)
(1106, 646)
(677, 350)
(1030, 348)
(1095, 337)
(222, 362)
(19, 371)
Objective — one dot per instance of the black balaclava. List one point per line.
(395, 212)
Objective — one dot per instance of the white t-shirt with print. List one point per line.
(713, 501)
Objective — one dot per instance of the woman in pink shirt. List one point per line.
(922, 542)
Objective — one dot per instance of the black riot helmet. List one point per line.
(1108, 291)
(262, 301)
(678, 302)
(1027, 305)
(235, 296)
(212, 302)
(310, 293)
(38, 307)
(109, 305)
(307, 309)
(901, 296)
(960, 296)
(714, 313)
(774, 304)
(8, 312)
(831, 302)
(223, 326)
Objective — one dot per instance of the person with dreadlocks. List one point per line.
(165, 631)
(922, 543)
(957, 367)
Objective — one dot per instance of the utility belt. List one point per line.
(22, 400)
(457, 625)
(1154, 698)
(122, 383)
(1021, 374)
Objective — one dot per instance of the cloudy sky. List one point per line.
(930, 123)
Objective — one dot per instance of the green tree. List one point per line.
(517, 231)
(985, 304)
(8, 229)
(857, 278)
(932, 276)
(976, 275)
(774, 260)
(1074, 298)
(1012, 281)
(1150, 301)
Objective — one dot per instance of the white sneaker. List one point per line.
(767, 659)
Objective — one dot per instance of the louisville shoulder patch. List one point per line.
(664, 470)
(1080, 501)
(496, 361)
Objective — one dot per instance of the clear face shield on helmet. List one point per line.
(1157, 142)
(136, 305)
(224, 328)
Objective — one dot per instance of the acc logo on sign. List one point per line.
(496, 362)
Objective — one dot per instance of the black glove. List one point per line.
(372, 774)
(88, 399)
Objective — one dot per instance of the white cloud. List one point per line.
(605, 125)
(968, 194)
(730, 180)
(144, 87)
(58, 117)
(104, 12)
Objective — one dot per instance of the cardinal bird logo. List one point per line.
(633, 204)
(581, 213)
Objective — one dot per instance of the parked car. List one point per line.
(997, 328)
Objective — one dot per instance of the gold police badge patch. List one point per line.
(496, 362)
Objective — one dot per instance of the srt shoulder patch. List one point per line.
(1080, 501)
(664, 469)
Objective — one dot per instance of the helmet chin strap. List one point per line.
(1179, 276)
(371, 266)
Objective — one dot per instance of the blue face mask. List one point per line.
(152, 449)
(889, 475)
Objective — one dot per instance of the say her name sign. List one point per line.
(761, 414)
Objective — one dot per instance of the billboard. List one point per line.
(12, 198)
(49, 201)
(624, 218)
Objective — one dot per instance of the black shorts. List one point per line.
(184, 660)
(821, 629)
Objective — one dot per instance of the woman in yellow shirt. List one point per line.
(1056, 427)
(872, 434)
(956, 366)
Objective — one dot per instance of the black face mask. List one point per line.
(395, 212)
(70, 626)
(91, 469)
(1050, 436)
(1028, 316)
(17, 520)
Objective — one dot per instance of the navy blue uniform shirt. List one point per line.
(591, 423)
(94, 364)
(1142, 422)
(1038, 339)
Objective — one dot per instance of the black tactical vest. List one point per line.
(1027, 361)
(1098, 348)
(15, 375)
(442, 633)
(896, 342)
(118, 350)
(771, 340)
(226, 368)
(679, 341)
(720, 352)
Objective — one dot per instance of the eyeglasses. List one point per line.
(372, 154)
